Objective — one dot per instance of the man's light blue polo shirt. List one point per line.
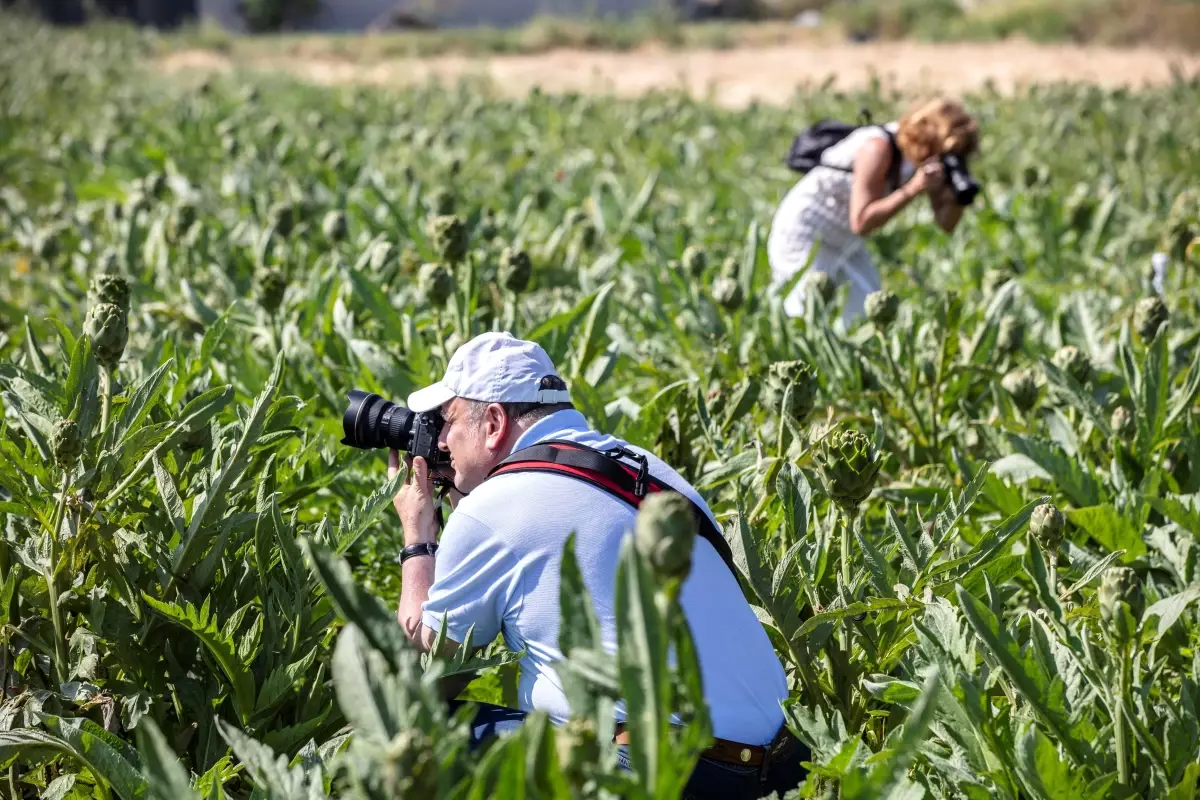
(497, 568)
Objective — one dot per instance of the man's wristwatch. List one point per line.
(422, 549)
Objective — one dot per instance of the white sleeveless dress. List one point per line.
(816, 213)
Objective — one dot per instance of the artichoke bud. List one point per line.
(1011, 335)
(108, 328)
(1148, 316)
(283, 217)
(849, 467)
(665, 533)
(109, 288)
(881, 308)
(1074, 362)
(802, 379)
(822, 285)
(1121, 602)
(450, 237)
(1022, 386)
(727, 292)
(515, 269)
(927, 367)
(587, 234)
(1121, 421)
(435, 283)
(694, 260)
(271, 285)
(66, 441)
(334, 226)
(1047, 525)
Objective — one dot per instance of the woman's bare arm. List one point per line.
(870, 210)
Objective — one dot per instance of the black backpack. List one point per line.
(808, 147)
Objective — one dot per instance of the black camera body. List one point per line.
(964, 186)
(370, 423)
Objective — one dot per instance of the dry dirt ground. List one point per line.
(734, 78)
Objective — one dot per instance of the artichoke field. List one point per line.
(968, 523)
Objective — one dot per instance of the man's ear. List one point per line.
(496, 425)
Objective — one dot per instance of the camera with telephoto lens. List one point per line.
(370, 423)
(964, 186)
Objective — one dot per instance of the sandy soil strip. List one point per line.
(736, 77)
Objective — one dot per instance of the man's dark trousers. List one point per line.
(710, 779)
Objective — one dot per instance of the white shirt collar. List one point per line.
(551, 426)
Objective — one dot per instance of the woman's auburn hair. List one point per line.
(935, 128)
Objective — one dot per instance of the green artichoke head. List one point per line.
(1121, 603)
(516, 268)
(271, 284)
(1073, 361)
(66, 442)
(107, 287)
(694, 260)
(820, 284)
(1022, 386)
(450, 237)
(849, 467)
(802, 380)
(441, 202)
(1047, 525)
(435, 282)
(1148, 316)
(727, 293)
(108, 328)
(881, 308)
(334, 225)
(665, 533)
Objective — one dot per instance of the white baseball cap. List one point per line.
(493, 367)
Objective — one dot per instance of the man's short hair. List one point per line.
(530, 412)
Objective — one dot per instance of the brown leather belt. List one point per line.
(726, 751)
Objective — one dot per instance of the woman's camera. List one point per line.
(370, 423)
(964, 186)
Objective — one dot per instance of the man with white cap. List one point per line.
(496, 566)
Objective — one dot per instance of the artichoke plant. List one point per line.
(108, 328)
(1022, 387)
(848, 465)
(821, 285)
(665, 534)
(1149, 315)
(109, 288)
(435, 282)
(1121, 421)
(1047, 524)
(450, 238)
(727, 292)
(271, 284)
(66, 443)
(1121, 603)
(796, 380)
(694, 260)
(1073, 361)
(334, 226)
(881, 308)
(515, 269)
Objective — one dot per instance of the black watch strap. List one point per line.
(423, 549)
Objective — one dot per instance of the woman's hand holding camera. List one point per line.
(929, 178)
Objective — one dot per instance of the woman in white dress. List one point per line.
(850, 195)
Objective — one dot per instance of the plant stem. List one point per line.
(106, 397)
(1052, 573)
(60, 650)
(1119, 722)
(846, 522)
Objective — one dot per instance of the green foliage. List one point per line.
(197, 580)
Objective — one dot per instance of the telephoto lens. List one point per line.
(961, 183)
(370, 423)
